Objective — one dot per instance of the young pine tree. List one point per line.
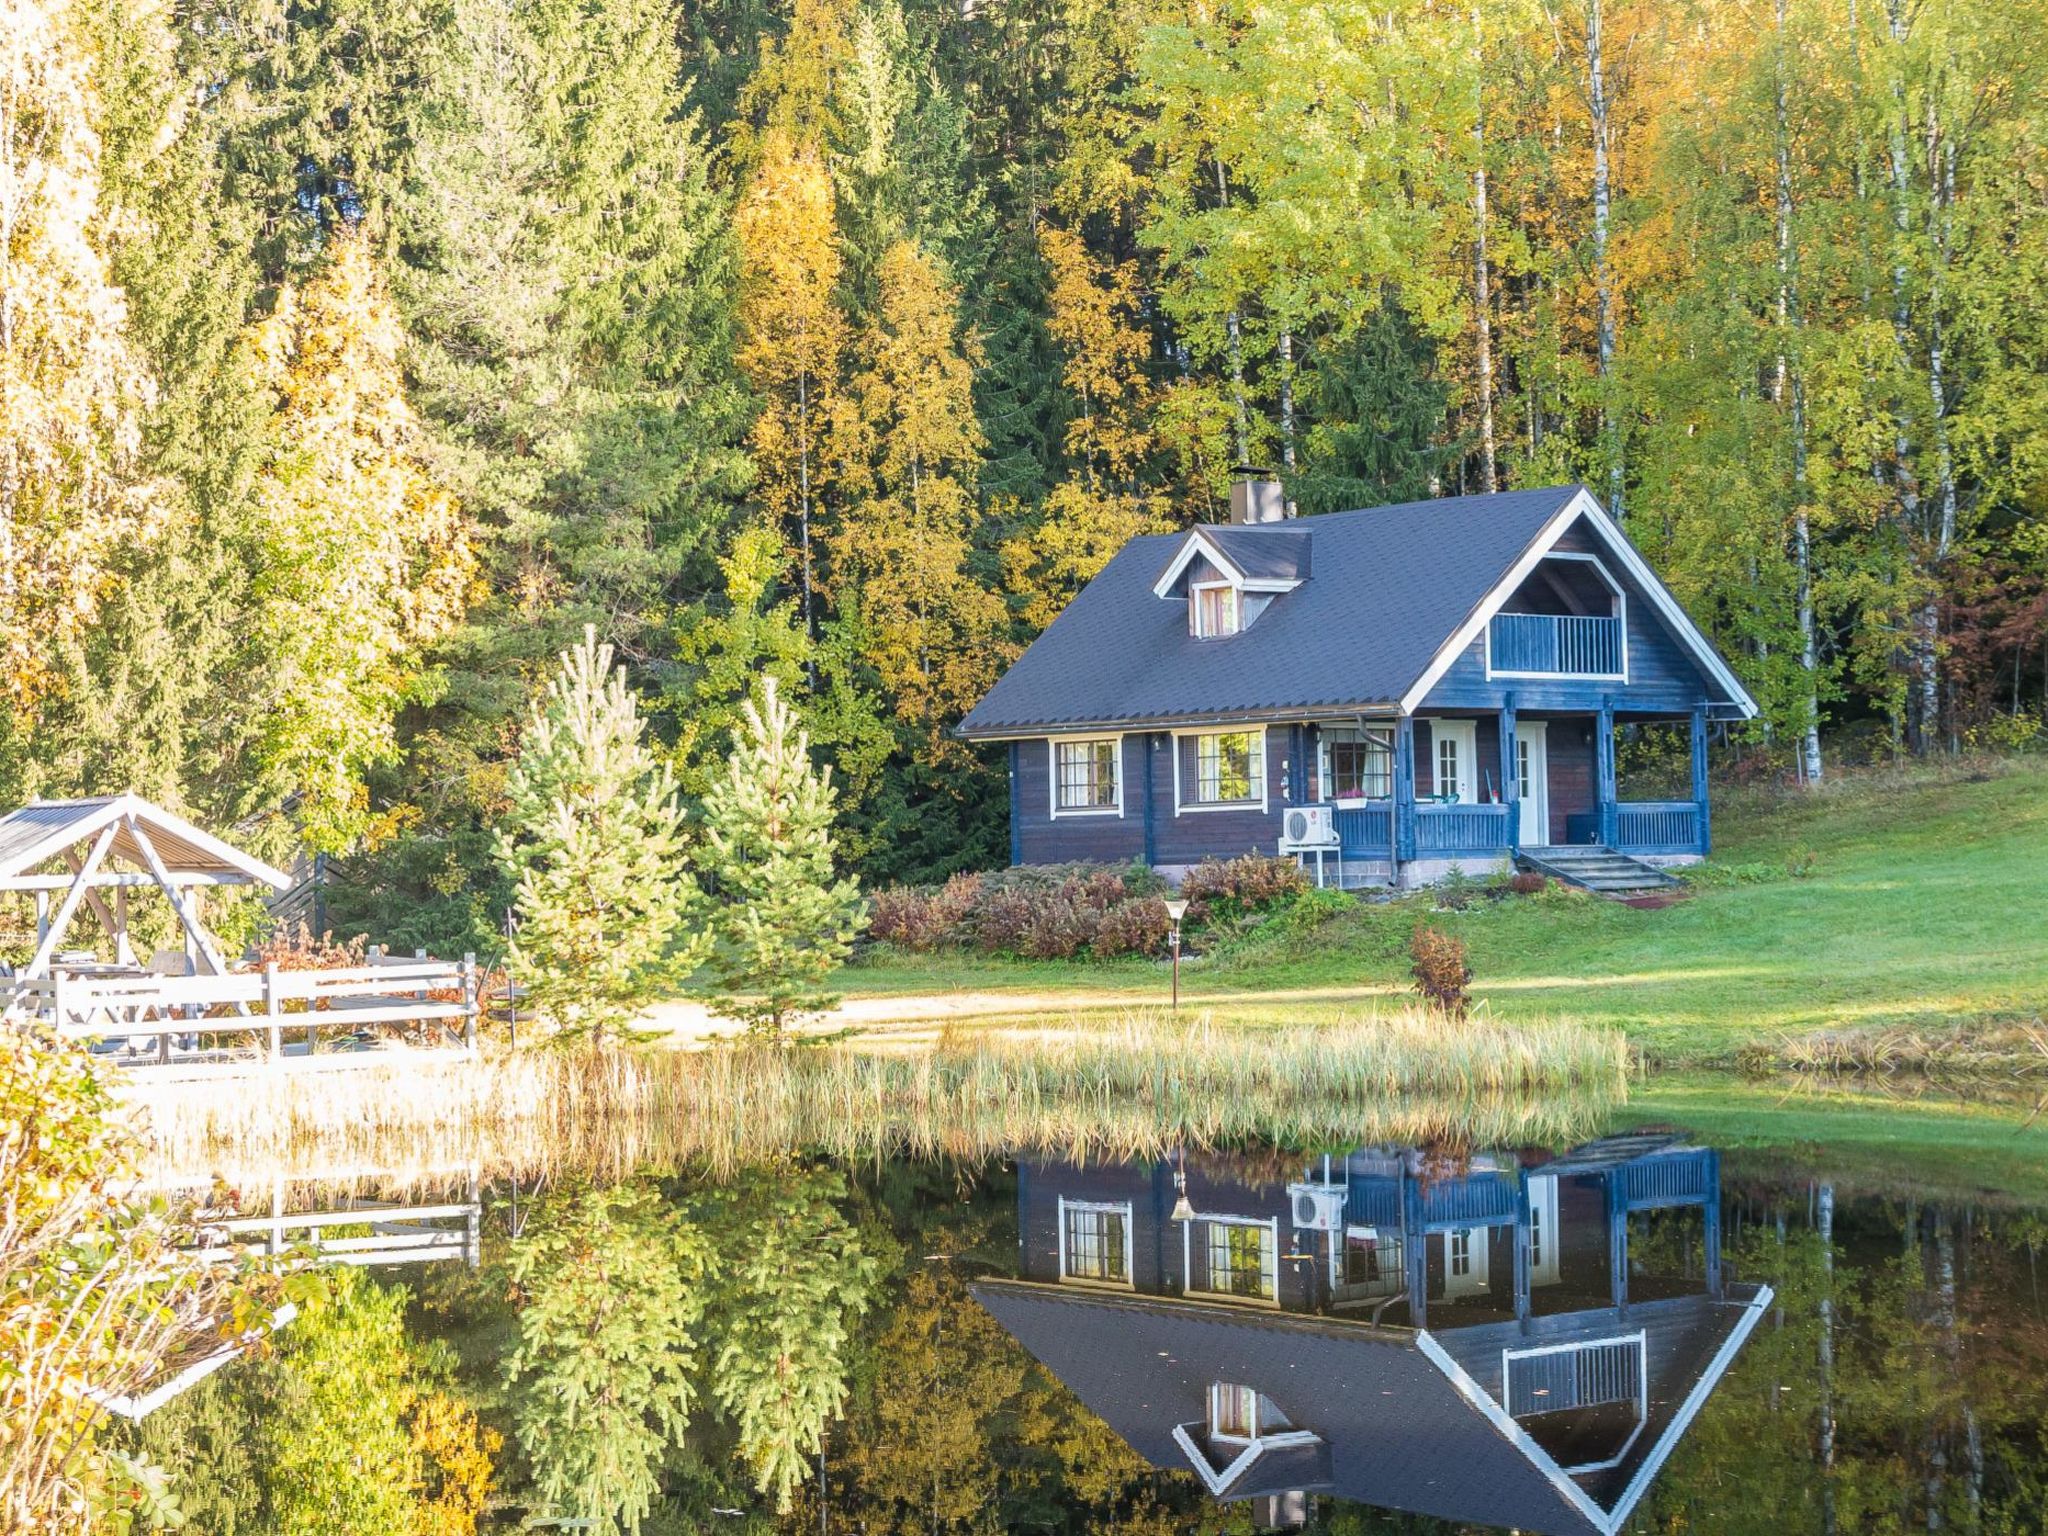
(593, 846)
(784, 923)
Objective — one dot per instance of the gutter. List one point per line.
(1306, 714)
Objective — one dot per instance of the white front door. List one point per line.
(1466, 1257)
(1543, 1233)
(1455, 766)
(1532, 772)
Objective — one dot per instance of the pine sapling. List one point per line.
(593, 841)
(783, 924)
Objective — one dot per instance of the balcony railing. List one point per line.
(1657, 826)
(1556, 645)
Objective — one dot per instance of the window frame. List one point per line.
(1367, 739)
(1269, 1266)
(1258, 801)
(1196, 622)
(1218, 1392)
(1052, 775)
(1119, 1208)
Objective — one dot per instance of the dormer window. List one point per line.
(1218, 610)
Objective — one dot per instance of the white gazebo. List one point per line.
(82, 852)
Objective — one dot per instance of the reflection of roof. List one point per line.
(44, 829)
(1406, 1420)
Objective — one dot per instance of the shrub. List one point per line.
(1000, 925)
(1441, 974)
(1134, 927)
(924, 918)
(1256, 882)
(1526, 882)
(1059, 928)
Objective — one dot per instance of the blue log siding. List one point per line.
(1570, 748)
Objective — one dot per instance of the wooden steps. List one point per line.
(1601, 870)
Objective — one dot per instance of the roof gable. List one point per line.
(42, 830)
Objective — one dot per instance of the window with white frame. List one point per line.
(1233, 1411)
(1372, 1257)
(1230, 768)
(1244, 1260)
(1450, 765)
(1085, 776)
(1357, 764)
(1095, 1243)
(1218, 610)
(1461, 1254)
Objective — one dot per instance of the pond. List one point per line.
(1633, 1330)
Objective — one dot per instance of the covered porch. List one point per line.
(1414, 796)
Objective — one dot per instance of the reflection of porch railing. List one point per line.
(1556, 645)
(1657, 826)
(1443, 829)
(1678, 1178)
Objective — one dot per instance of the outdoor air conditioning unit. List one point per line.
(1305, 828)
(1318, 1207)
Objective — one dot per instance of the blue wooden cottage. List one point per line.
(1402, 691)
(1479, 1343)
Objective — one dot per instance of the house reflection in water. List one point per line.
(1475, 1342)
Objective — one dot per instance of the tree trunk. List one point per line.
(1482, 277)
(1791, 392)
(1825, 1221)
(1919, 722)
(1287, 412)
(1941, 172)
(1234, 331)
(1603, 275)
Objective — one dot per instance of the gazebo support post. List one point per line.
(39, 964)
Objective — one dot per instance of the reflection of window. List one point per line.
(1371, 1257)
(1097, 1238)
(1358, 766)
(1229, 767)
(1085, 775)
(1218, 612)
(1461, 1254)
(1242, 1261)
(1233, 1411)
(1536, 1235)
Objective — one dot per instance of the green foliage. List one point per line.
(602, 1380)
(782, 923)
(593, 844)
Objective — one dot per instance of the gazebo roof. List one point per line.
(43, 829)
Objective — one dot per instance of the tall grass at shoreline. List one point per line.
(1140, 1084)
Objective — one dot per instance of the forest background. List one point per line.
(354, 354)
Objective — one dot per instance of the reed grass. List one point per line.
(1138, 1084)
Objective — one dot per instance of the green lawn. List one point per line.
(1915, 902)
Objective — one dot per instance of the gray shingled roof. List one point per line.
(1389, 586)
(1268, 552)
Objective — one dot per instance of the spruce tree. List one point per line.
(592, 844)
(784, 923)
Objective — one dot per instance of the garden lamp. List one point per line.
(1183, 1208)
(1176, 909)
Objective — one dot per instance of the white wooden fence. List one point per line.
(430, 1002)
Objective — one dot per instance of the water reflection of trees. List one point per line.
(796, 1351)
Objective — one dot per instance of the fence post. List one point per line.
(469, 1002)
(272, 1008)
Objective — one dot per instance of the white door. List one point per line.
(1455, 744)
(1466, 1259)
(1532, 771)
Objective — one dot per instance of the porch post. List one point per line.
(1414, 1249)
(1603, 757)
(1699, 777)
(1297, 765)
(1712, 1212)
(1016, 806)
(1617, 1239)
(1522, 1235)
(1149, 745)
(1404, 788)
(1510, 775)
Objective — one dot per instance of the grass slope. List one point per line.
(1906, 902)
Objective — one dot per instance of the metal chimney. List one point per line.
(1256, 497)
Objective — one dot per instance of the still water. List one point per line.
(1637, 1332)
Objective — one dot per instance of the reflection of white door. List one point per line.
(1532, 770)
(1465, 1261)
(1543, 1232)
(1455, 744)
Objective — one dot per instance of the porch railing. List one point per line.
(1556, 645)
(1468, 1202)
(1446, 829)
(1365, 828)
(1657, 826)
(1677, 1178)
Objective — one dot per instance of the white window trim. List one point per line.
(1195, 591)
(1052, 776)
(1352, 733)
(1185, 807)
(1216, 1434)
(1104, 1207)
(1187, 1259)
(1196, 545)
(1217, 1481)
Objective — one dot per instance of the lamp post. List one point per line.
(1176, 909)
